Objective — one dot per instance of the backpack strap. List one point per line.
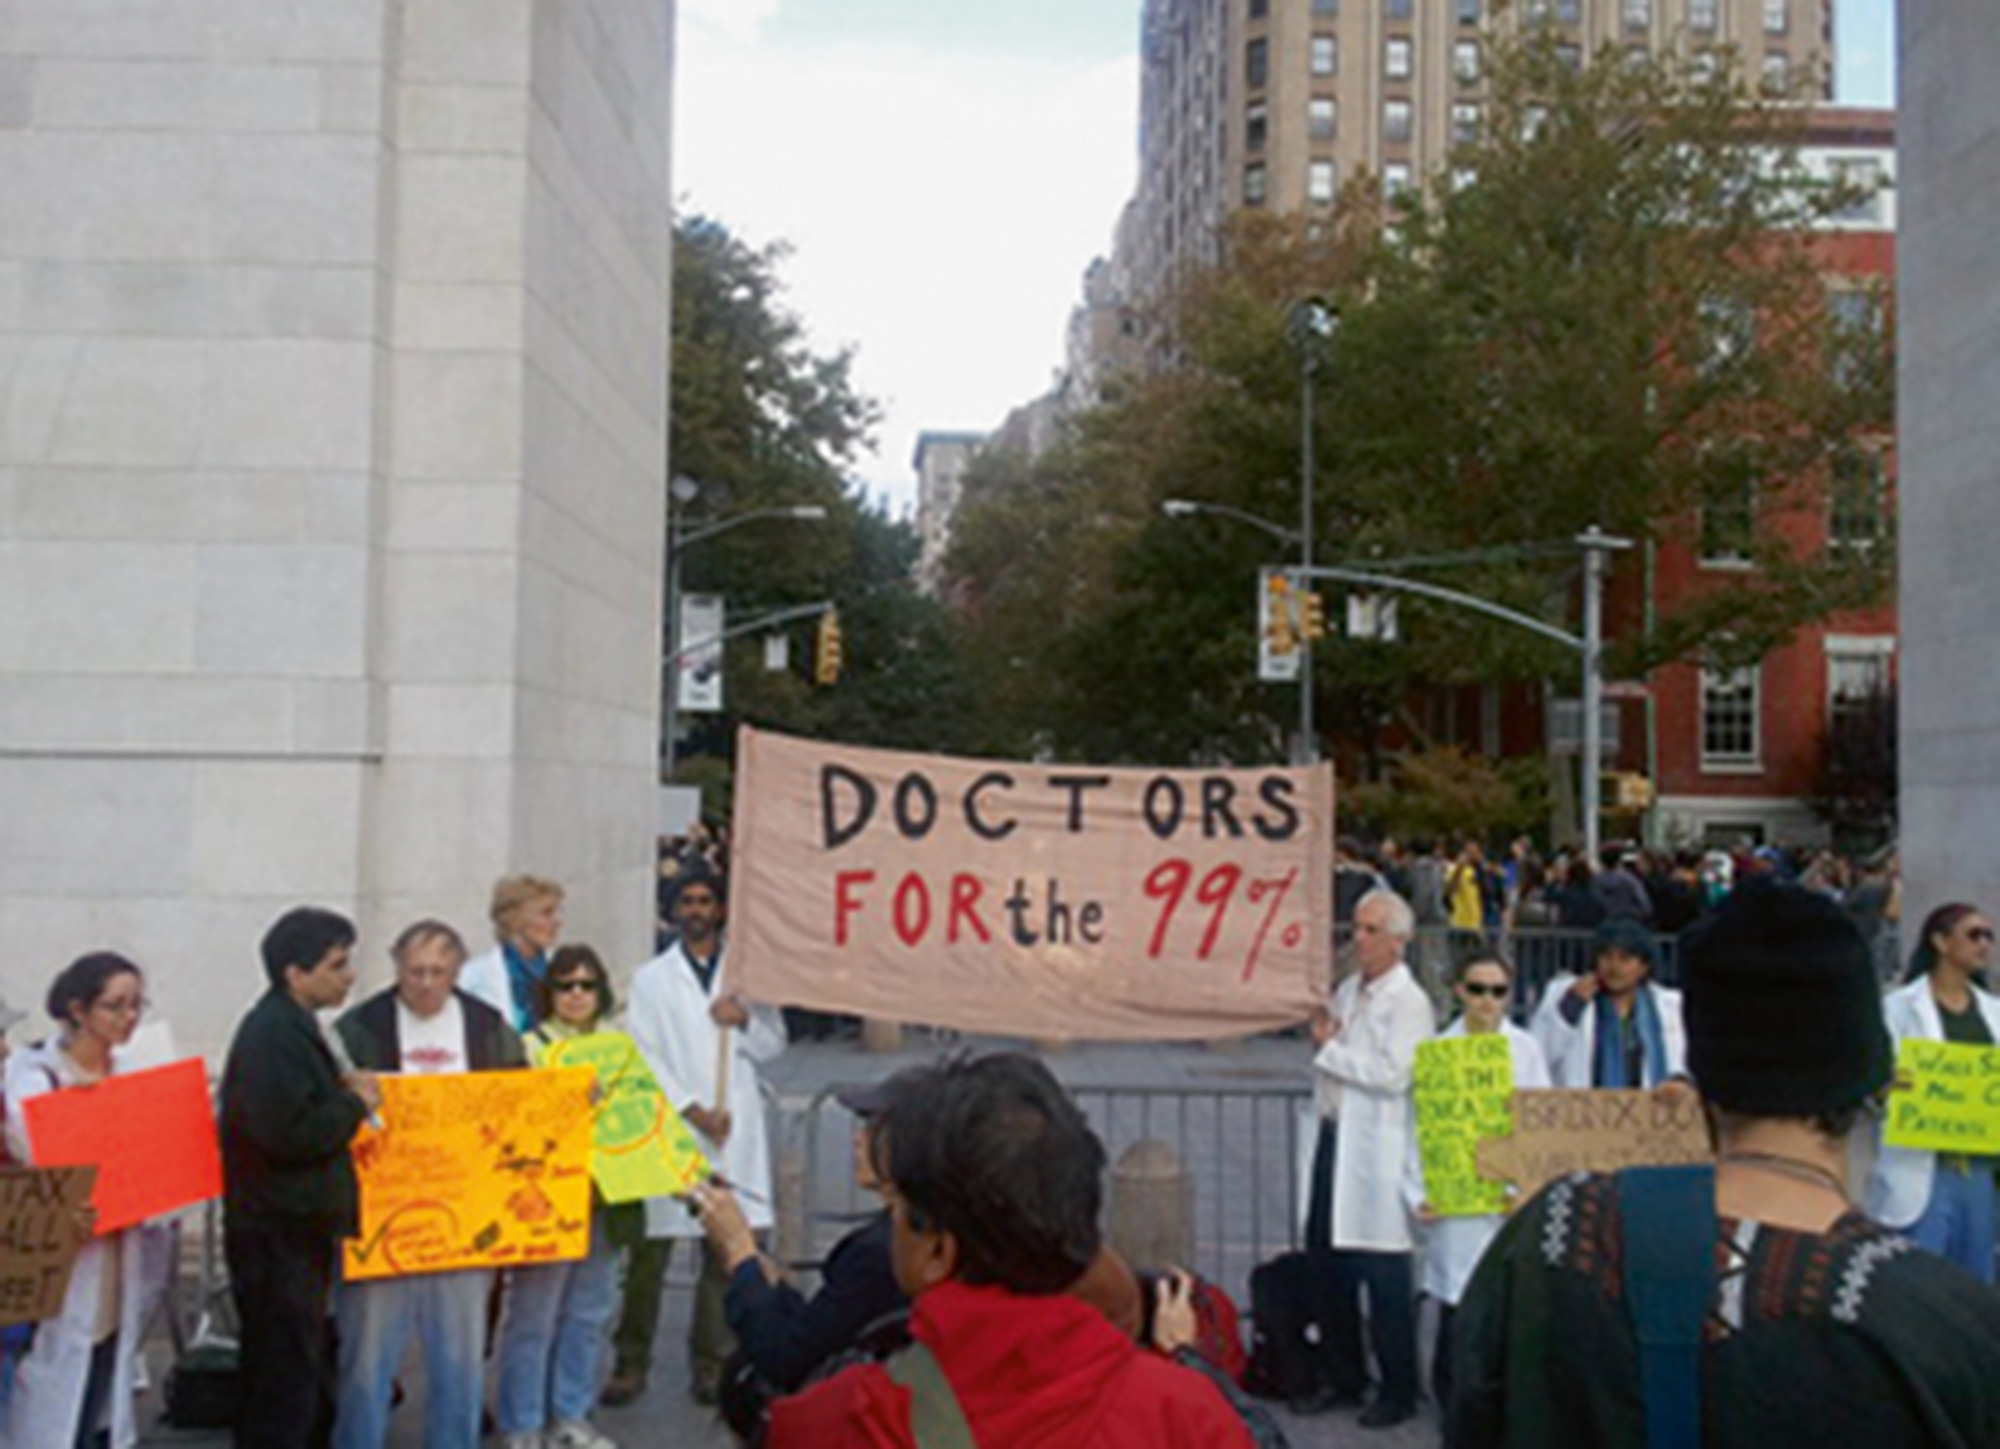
(936, 1420)
(1669, 1216)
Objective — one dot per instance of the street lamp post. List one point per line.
(1311, 323)
(683, 491)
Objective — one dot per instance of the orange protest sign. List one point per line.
(1036, 900)
(474, 1170)
(150, 1135)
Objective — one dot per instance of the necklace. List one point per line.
(1789, 1167)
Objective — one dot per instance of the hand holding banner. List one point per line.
(1464, 1092)
(642, 1148)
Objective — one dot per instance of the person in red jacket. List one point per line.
(995, 1181)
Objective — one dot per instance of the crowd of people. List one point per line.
(980, 1303)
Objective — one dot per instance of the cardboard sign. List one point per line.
(474, 1170)
(1582, 1129)
(1464, 1093)
(1037, 900)
(1946, 1098)
(150, 1135)
(641, 1147)
(39, 1208)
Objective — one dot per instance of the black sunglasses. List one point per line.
(1481, 988)
(575, 983)
(1980, 933)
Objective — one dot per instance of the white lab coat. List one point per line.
(668, 1017)
(1452, 1246)
(1363, 1077)
(1572, 1050)
(1899, 1186)
(485, 976)
(49, 1383)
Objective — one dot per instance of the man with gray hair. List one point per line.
(1357, 1230)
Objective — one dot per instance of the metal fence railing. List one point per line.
(1238, 1143)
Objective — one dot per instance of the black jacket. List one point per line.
(286, 1124)
(370, 1033)
(786, 1335)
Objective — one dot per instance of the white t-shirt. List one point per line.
(432, 1045)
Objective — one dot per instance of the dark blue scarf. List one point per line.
(1610, 1064)
(523, 972)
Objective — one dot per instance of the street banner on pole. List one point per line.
(474, 1170)
(698, 652)
(1040, 900)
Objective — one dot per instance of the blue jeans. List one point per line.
(553, 1336)
(1957, 1222)
(447, 1312)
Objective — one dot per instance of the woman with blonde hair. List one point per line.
(527, 919)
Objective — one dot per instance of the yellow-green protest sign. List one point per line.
(474, 1170)
(1464, 1089)
(1946, 1098)
(643, 1148)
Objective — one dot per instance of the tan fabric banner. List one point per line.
(1032, 900)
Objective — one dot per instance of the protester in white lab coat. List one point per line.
(1452, 1245)
(1357, 1229)
(704, 1044)
(1615, 1026)
(527, 916)
(76, 1384)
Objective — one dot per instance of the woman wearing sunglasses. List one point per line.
(1452, 1245)
(553, 1331)
(76, 1384)
(1942, 1201)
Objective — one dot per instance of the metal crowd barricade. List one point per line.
(1239, 1144)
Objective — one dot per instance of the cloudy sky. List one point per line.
(944, 170)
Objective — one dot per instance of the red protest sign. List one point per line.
(1038, 900)
(150, 1135)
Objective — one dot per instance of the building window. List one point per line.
(1259, 9)
(1857, 497)
(1728, 332)
(1729, 718)
(1728, 517)
(1637, 14)
(1396, 121)
(1702, 14)
(1325, 55)
(1255, 125)
(1319, 182)
(1777, 71)
(1777, 17)
(1396, 9)
(1468, 12)
(1569, 12)
(1326, 7)
(1395, 179)
(1396, 58)
(1464, 125)
(1570, 55)
(1534, 120)
(1861, 178)
(1859, 686)
(1253, 184)
(1323, 118)
(1465, 61)
(1257, 63)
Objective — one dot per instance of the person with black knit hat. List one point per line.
(1942, 1200)
(1822, 1326)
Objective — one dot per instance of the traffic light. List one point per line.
(1282, 630)
(826, 652)
(1314, 626)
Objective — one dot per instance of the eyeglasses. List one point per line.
(1980, 933)
(1481, 988)
(579, 983)
(136, 1007)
